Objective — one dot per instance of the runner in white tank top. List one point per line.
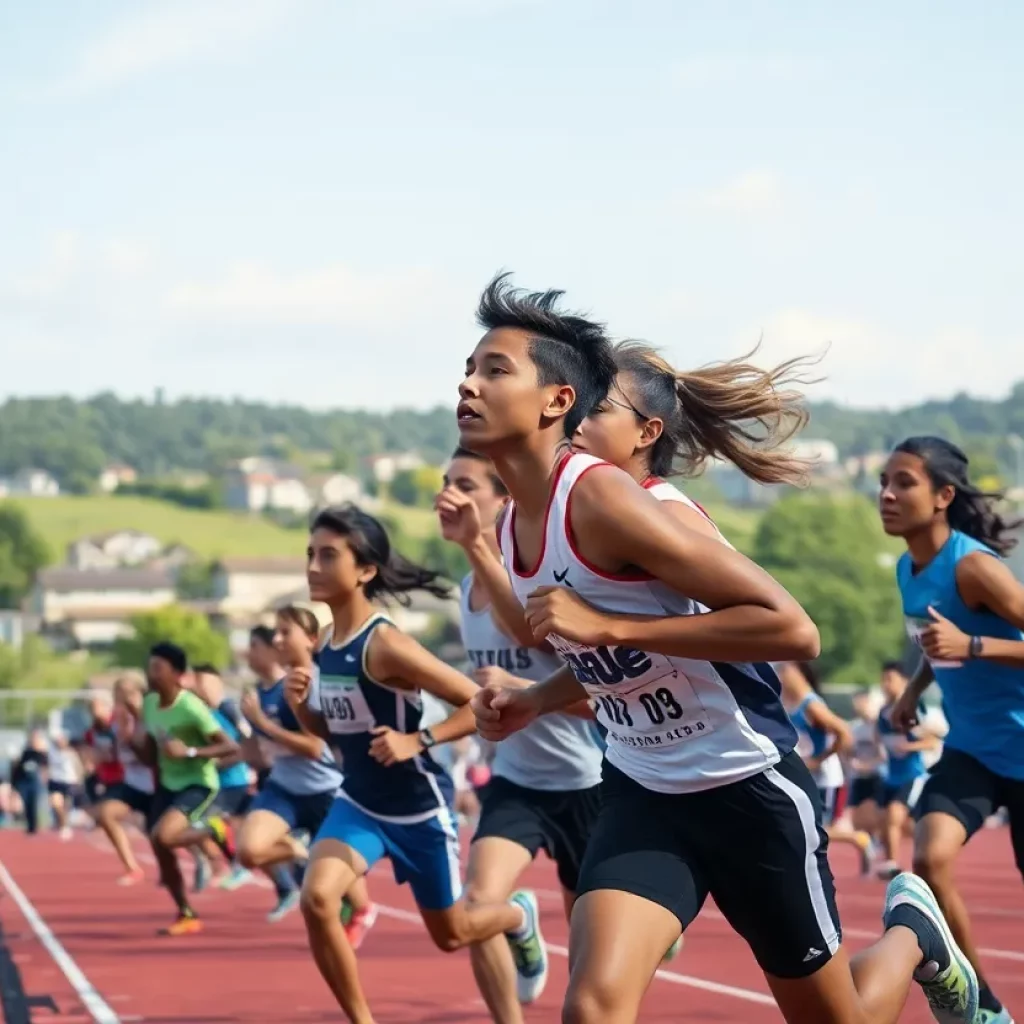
(670, 631)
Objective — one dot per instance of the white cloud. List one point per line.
(755, 193)
(870, 364)
(335, 296)
(163, 34)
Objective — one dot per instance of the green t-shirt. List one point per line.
(190, 720)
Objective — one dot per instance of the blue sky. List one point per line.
(298, 200)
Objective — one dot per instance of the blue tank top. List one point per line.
(812, 740)
(229, 718)
(983, 701)
(900, 768)
(294, 773)
(352, 705)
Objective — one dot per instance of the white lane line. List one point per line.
(98, 1008)
(670, 976)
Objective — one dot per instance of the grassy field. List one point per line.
(211, 534)
(218, 534)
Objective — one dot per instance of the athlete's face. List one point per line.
(292, 642)
(863, 708)
(161, 675)
(261, 657)
(616, 430)
(908, 501)
(893, 684)
(501, 403)
(474, 478)
(209, 688)
(333, 573)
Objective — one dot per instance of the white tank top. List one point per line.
(674, 725)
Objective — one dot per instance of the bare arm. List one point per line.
(491, 675)
(986, 582)
(841, 737)
(397, 660)
(619, 526)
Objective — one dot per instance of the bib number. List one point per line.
(344, 707)
(651, 718)
(915, 627)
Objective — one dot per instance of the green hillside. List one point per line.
(211, 534)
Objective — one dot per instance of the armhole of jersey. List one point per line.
(325, 638)
(637, 576)
(956, 565)
(364, 666)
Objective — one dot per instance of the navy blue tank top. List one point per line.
(352, 704)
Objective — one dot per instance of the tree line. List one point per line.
(75, 440)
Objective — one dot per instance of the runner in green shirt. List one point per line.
(180, 735)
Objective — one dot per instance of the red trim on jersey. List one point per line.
(544, 536)
(636, 576)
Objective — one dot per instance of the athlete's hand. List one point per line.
(904, 713)
(296, 686)
(558, 611)
(941, 640)
(460, 520)
(174, 748)
(502, 710)
(491, 675)
(249, 705)
(389, 747)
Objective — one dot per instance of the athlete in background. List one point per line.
(866, 766)
(965, 610)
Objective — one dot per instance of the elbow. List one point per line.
(803, 641)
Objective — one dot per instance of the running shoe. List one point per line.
(201, 878)
(994, 1017)
(359, 924)
(944, 973)
(285, 905)
(236, 878)
(673, 951)
(186, 924)
(528, 950)
(889, 870)
(223, 835)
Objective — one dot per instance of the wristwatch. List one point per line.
(974, 647)
(426, 738)
(191, 752)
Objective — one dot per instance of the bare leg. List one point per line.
(264, 841)
(333, 868)
(164, 837)
(494, 866)
(111, 814)
(616, 943)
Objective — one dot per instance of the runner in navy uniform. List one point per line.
(395, 799)
(668, 631)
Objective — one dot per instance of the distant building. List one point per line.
(92, 607)
(385, 467)
(29, 483)
(251, 585)
(113, 549)
(335, 489)
(257, 484)
(15, 625)
(115, 476)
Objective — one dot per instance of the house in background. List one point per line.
(92, 607)
(334, 489)
(257, 484)
(29, 483)
(113, 549)
(114, 476)
(248, 586)
(15, 625)
(385, 467)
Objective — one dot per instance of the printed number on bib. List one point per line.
(652, 718)
(344, 707)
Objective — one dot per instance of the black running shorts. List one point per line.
(756, 846)
(560, 823)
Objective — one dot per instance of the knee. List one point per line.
(933, 861)
(592, 1002)
(250, 857)
(319, 903)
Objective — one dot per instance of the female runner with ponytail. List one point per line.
(965, 609)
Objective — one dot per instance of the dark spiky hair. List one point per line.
(566, 348)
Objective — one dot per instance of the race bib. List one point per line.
(642, 699)
(915, 627)
(344, 706)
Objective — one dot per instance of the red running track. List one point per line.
(91, 945)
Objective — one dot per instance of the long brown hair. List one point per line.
(734, 411)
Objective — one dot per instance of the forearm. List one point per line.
(144, 747)
(217, 750)
(923, 678)
(559, 692)
(742, 633)
(312, 722)
(1002, 652)
(505, 606)
(461, 722)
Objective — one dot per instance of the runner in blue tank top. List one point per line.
(965, 610)
(395, 800)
